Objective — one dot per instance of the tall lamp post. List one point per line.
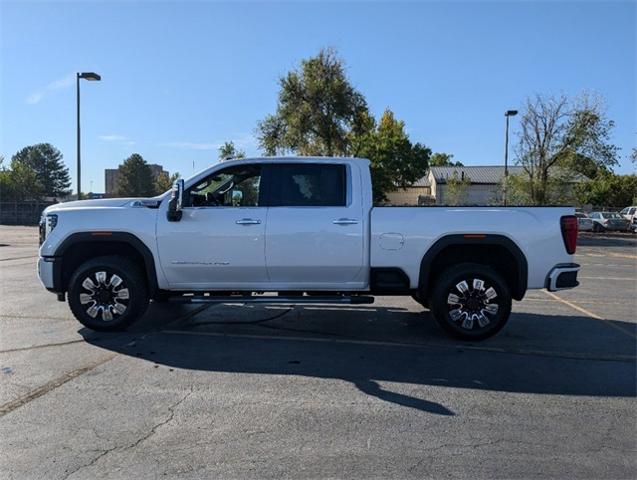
(507, 114)
(92, 77)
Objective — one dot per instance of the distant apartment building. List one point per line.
(111, 177)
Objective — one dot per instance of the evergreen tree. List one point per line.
(46, 161)
(135, 178)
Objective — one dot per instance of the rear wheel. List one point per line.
(471, 301)
(108, 293)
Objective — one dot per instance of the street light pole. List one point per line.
(507, 114)
(79, 171)
(90, 76)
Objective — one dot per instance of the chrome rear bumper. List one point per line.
(562, 277)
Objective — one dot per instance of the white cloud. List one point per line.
(61, 83)
(112, 138)
(191, 145)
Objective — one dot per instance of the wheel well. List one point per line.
(509, 263)
(80, 247)
(83, 251)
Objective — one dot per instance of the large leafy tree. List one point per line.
(163, 183)
(46, 161)
(135, 178)
(320, 113)
(440, 159)
(20, 182)
(608, 190)
(228, 150)
(562, 137)
(317, 109)
(395, 161)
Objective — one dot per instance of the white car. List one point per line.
(629, 213)
(584, 223)
(295, 225)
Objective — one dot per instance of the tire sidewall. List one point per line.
(132, 279)
(447, 281)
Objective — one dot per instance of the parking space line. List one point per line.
(454, 346)
(622, 255)
(53, 384)
(608, 278)
(590, 314)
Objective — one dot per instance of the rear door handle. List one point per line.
(345, 221)
(248, 221)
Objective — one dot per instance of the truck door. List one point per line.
(220, 240)
(315, 229)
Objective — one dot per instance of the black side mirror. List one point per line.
(175, 204)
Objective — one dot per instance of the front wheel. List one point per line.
(471, 301)
(108, 293)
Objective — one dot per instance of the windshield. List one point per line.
(611, 215)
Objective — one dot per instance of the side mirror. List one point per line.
(176, 202)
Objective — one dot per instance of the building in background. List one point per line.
(111, 177)
(483, 186)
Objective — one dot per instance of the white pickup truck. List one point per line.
(300, 230)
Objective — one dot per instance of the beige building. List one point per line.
(482, 186)
(111, 177)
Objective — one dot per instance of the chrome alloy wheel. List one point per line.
(470, 305)
(106, 296)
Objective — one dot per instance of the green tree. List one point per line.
(608, 190)
(562, 136)
(20, 182)
(395, 161)
(457, 189)
(228, 151)
(46, 161)
(317, 109)
(135, 178)
(440, 159)
(163, 183)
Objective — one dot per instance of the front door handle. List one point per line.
(248, 221)
(345, 221)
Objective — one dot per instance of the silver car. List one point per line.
(584, 224)
(603, 221)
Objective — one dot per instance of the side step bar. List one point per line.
(341, 299)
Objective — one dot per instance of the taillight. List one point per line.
(568, 224)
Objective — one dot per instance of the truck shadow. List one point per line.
(595, 361)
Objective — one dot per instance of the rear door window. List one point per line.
(307, 185)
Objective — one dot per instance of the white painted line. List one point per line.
(590, 314)
(609, 278)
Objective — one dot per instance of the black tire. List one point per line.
(467, 316)
(597, 228)
(125, 299)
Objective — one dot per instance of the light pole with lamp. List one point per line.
(507, 114)
(94, 77)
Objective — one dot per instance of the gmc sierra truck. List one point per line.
(300, 230)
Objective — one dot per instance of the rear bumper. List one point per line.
(562, 276)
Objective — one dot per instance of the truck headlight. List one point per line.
(47, 223)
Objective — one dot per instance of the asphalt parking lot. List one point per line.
(373, 391)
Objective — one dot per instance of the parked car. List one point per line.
(293, 226)
(613, 221)
(584, 223)
(629, 213)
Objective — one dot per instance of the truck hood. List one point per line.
(105, 203)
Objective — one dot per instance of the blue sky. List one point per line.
(178, 79)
